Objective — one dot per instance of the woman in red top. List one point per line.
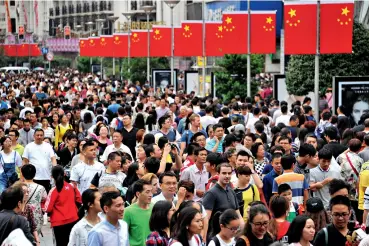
(279, 206)
(61, 206)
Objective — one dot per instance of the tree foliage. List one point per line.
(231, 78)
(300, 74)
(139, 67)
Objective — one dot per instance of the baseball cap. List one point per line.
(314, 205)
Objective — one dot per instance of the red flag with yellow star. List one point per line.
(300, 31)
(214, 39)
(10, 49)
(336, 27)
(188, 39)
(138, 43)
(263, 34)
(106, 46)
(235, 32)
(83, 45)
(35, 50)
(120, 45)
(160, 41)
(23, 50)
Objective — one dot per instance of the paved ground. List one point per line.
(47, 239)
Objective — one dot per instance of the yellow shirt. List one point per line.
(364, 182)
(59, 133)
(249, 195)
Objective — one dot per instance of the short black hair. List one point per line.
(339, 200)
(243, 170)
(107, 198)
(325, 154)
(198, 150)
(11, 197)
(166, 174)
(38, 130)
(28, 171)
(288, 161)
(152, 165)
(331, 132)
(188, 185)
(307, 149)
(88, 143)
(138, 186)
(338, 184)
(283, 188)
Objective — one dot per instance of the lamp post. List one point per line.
(172, 4)
(148, 9)
(29, 34)
(89, 24)
(113, 19)
(129, 15)
(99, 28)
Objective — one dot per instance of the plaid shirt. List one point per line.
(156, 239)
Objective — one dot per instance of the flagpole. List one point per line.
(317, 55)
(203, 50)
(148, 9)
(248, 49)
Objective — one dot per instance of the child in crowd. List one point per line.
(286, 191)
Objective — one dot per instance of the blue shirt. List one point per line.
(268, 184)
(211, 143)
(3, 105)
(187, 135)
(114, 108)
(106, 234)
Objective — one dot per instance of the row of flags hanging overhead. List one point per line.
(230, 35)
(21, 50)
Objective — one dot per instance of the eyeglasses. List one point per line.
(201, 140)
(260, 224)
(233, 229)
(337, 215)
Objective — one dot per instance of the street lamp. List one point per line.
(29, 47)
(89, 24)
(172, 4)
(99, 28)
(113, 19)
(129, 15)
(148, 9)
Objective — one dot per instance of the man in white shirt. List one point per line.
(251, 123)
(112, 229)
(197, 173)
(116, 146)
(284, 118)
(42, 156)
(168, 186)
(83, 173)
(208, 119)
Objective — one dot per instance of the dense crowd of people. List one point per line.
(109, 162)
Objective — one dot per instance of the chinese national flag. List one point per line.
(160, 41)
(336, 27)
(10, 49)
(235, 32)
(35, 50)
(83, 46)
(94, 46)
(188, 39)
(214, 39)
(106, 45)
(23, 50)
(138, 43)
(120, 45)
(300, 28)
(91, 47)
(263, 34)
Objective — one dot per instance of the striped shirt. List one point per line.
(297, 182)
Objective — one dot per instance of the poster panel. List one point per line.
(353, 94)
(162, 78)
(191, 81)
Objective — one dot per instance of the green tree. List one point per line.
(139, 67)
(231, 78)
(300, 74)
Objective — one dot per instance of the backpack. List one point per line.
(119, 124)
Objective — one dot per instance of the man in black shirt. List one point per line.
(331, 134)
(129, 134)
(335, 233)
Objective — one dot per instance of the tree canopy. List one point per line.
(300, 71)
